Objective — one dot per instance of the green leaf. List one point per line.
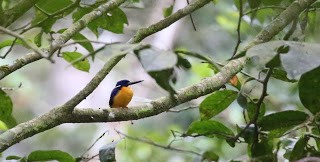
(280, 74)
(163, 79)
(299, 151)
(38, 39)
(210, 156)
(216, 103)
(5, 106)
(3, 126)
(51, 7)
(252, 108)
(9, 42)
(309, 90)
(279, 123)
(160, 66)
(301, 57)
(183, 62)
(83, 41)
(112, 21)
(107, 153)
(209, 128)
(13, 157)
(47, 155)
(82, 65)
(167, 11)
(261, 151)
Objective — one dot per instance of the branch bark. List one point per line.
(63, 38)
(63, 114)
(280, 22)
(17, 11)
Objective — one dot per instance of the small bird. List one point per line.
(121, 95)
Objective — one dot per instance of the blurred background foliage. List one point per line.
(46, 85)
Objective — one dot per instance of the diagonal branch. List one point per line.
(27, 43)
(279, 23)
(62, 114)
(145, 32)
(63, 38)
(17, 11)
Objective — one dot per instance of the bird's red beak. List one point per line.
(130, 83)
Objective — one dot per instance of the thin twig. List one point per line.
(190, 15)
(11, 88)
(95, 142)
(291, 30)
(238, 29)
(183, 109)
(9, 50)
(263, 8)
(158, 145)
(27, 43)
(259, 105)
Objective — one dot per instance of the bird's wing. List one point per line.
(113, 94)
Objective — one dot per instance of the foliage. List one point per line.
(268, 124)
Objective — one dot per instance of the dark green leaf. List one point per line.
(242, 100)
(210, 156)
(261, 151)
(13, 157)
(280, 74)
(209, 128)
(167, 11)
(299, 151)
(183, 62)
(112, 21)
(252, 108)
(254, 3)
(163, 79)
(309, 90)
(159, 64)
(107, 152)
(247, 135)
(82, 65)
(42, 155)
(279, 123)
(216, 103)
(41, 20)
(5, 106)
(83, 41)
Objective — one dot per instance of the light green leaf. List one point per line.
(216, 103)
(82, 65)
(42, 155)
(167, 11)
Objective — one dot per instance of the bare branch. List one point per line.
(238, 28)
(158, 145)
(27, 43)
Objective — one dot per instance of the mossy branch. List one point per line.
(62, 114)
(63, 38)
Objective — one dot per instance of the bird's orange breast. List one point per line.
(123, 97)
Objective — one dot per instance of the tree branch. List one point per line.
(27, 43)
(63, 38)
(279, 23)
(17, 11)
(145, 32)
(63, 114)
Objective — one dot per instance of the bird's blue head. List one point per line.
(126, 83)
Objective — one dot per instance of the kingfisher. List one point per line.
(122, 94)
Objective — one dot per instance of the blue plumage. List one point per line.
(124, 93)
